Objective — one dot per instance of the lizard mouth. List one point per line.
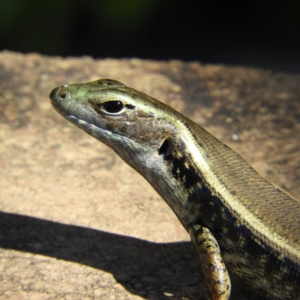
(93, 130)
(58, 108)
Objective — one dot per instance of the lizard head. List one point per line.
(136, 126)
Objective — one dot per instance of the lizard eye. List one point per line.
(113, 107)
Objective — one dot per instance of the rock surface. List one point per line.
(76, 222)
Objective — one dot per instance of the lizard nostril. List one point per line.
(63, 95)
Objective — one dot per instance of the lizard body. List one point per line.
(237, 219)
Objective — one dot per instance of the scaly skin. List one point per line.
(232, 213)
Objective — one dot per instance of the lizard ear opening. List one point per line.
(166, 147)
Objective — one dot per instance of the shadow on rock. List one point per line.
(138, 265)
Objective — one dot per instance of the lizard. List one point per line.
(239, 221)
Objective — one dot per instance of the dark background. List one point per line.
(250, 33)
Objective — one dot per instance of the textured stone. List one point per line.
(76, 222)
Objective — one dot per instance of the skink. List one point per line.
(237, 219)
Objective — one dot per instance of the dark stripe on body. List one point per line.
(241, 253)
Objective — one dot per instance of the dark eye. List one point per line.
(113, 106)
